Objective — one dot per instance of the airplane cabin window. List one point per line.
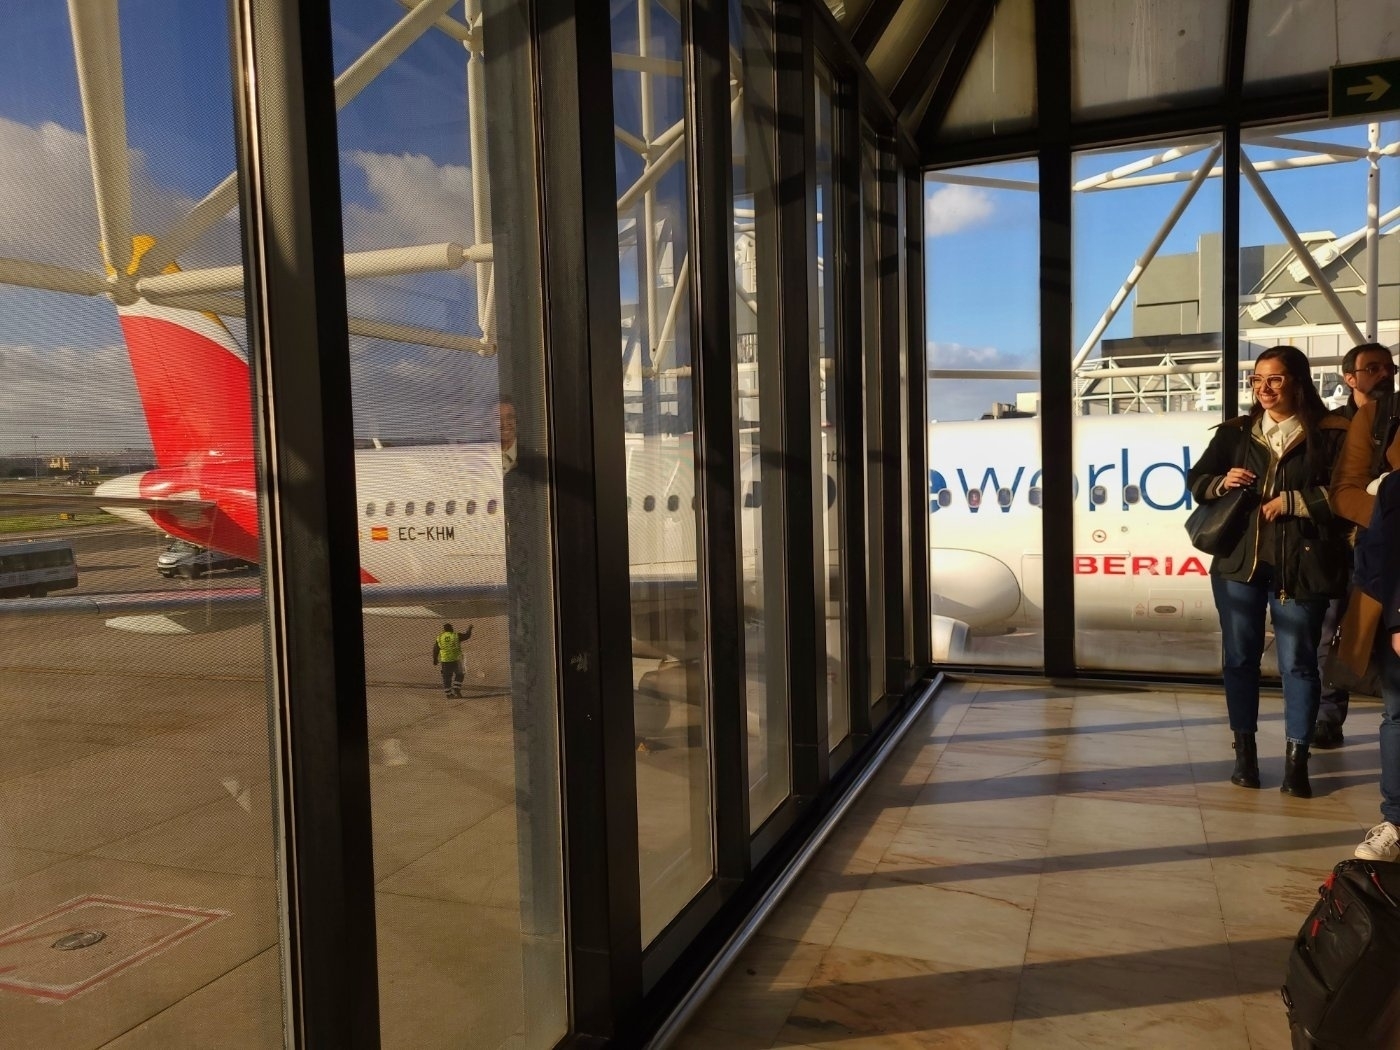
(694, 502)
(974, 498)
(369, 510)
(490, 506)
(649, 504)
(1034, 496)
(408, 507)
(1003, 497)
(429, 507)
(471, 506)
(673, 503)
(1099, 495)
(450, 508)
(389, 508)
(1131, 494)
(945, 498)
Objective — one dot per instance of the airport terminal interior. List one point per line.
(659, 523)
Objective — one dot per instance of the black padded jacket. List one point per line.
(1311, 556)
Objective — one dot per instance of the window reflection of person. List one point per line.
(1290, 561)
(505, 420)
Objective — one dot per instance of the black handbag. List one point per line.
(1215, 527)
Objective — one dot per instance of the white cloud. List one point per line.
(952, 209)
(416, 201)
(956, 355)
(48, 210)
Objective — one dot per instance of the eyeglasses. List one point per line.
(1374, 369)
(1274, 382)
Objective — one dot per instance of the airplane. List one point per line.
(1134, 568)
(431, 519)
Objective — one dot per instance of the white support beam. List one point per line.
(25, 274)
(666, 67)
(984, 181)
(381, 262)
(1164, 157)
(1299, 248)
(1140, 267)
(1304, 146)
(349, 84)
(1186, 176)
(1373, 233)
(453, 28)
(233, 306)
(97, 50)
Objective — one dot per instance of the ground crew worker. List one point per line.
(447, 655)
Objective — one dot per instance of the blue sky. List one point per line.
(981, 276)
(405, 178)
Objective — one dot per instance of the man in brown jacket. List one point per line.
(1353, 496)
(1369, 374)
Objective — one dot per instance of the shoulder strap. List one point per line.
(1382, 431)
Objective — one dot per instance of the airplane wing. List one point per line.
(88, 503)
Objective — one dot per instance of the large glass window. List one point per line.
(981, 266)
(755, 347)
(138, 866)
(831, 452)
(1146, 395)
(447, 374)
(663, 500)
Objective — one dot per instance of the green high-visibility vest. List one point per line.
(449, 647)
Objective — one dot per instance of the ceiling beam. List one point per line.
(957, 53)
(866, 33)
(1236, 38)
(931, 58)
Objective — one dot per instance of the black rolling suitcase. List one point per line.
(1343, 985)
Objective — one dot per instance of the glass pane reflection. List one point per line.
(829, 453)
(671, 697)
(447, 381)
(135, 791)
(755, 344)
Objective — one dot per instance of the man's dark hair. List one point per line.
(1354, 354)
(447, 627)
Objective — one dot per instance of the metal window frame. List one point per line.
(588, 471)
(1052, 44)
(290, 213)
(847, 286)
(797, 266)
(916, 336)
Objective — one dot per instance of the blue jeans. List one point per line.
(1297, 629)
(1390, 734)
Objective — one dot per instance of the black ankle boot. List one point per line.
(1246, 773)
(1295, 771)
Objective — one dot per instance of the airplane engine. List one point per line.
(949, 640)
(973, 588)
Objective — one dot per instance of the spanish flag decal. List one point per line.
(379, 532)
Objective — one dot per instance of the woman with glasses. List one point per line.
(1291, 560)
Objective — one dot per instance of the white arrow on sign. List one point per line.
(1373, 89)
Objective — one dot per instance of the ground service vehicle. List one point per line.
(37, 567)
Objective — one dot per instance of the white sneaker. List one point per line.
(1381, 843)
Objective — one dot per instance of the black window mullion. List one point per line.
(712, 334)
(917, 395)
(849, 288)
(893, 455)
(583, 330)
(289, 196)
(1053, 72)
(803, 499)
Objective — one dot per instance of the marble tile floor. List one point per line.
(1041, 868)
